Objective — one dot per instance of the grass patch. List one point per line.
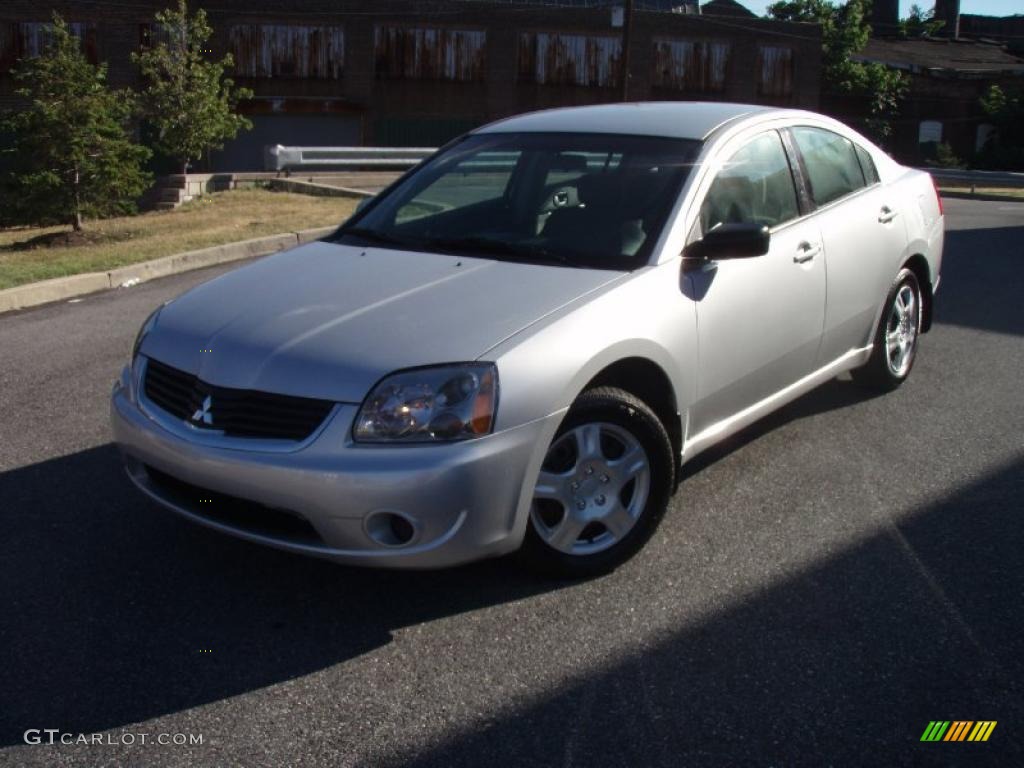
(31, 254)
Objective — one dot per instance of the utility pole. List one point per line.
(627, 28)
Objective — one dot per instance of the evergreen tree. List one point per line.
(187, 100)
(70, 156)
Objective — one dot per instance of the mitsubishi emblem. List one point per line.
(203, 415)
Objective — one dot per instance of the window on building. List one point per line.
(755, 186)
(929, 132)
(831, 162)
(929, 136)
(426, 53)
(775, 71)
(695, 66)
(985, 131)
(26, 40)
(549, 58)
(151, 35)
(286, 50)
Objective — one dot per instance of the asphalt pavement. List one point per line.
(825, 585)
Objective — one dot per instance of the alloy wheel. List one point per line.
(592, 489)
(901, 330)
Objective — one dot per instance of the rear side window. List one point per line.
(833, 170)
(867, 165)
(754, 186)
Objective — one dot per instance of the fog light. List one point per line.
(390, 529)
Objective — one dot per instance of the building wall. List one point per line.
(953, 102)
(384, 107)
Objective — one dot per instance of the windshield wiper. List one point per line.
(491, 246)
(374, 236)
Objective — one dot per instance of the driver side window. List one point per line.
(755, 185)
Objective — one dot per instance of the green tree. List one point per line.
(1005, 148)
(845, 30)
(187, 100)
(70, 155)
(920, 23)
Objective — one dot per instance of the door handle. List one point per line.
(887, 214)
(806, 252)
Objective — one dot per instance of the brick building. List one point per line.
(397, 72)
(948, 75)
(947, 79)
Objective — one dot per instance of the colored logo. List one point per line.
(958, 730)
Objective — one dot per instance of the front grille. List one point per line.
(235, 412)
(232, 511)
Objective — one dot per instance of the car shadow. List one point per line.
(833, 395)
(115, 611)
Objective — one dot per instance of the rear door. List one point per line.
(759, 319)
(862, 232)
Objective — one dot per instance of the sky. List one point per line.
(986, 7)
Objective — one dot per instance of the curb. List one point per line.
(985, 197)
(320, 190)
(45, 291)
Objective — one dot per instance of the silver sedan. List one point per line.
(518, 344)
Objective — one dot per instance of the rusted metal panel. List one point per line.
(429, 53)
(288, 50)
(28, 39)
(775, 71)
(696, 66)
(550, 58)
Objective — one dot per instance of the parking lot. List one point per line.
(823, 586)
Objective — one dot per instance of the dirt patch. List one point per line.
(68, 239)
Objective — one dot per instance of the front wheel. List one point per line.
(603, 486)
(896, 340)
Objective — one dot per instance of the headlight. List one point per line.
(452, 402)
(147, 326)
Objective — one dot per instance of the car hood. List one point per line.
(328, 321)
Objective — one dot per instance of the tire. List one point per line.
(603, 487)
(897, 337)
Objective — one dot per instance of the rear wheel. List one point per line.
(603, 487)
(896, 339)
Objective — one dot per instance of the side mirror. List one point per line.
(363, 203)
(731, 241)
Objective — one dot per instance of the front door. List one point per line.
(759, 319)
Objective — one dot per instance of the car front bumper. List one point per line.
(466, 501)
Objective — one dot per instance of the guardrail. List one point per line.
(978, 178)
(280, 158)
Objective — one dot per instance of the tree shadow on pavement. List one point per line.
(844, 663)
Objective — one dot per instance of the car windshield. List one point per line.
(590, 200)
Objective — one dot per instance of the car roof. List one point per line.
(672, 119)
